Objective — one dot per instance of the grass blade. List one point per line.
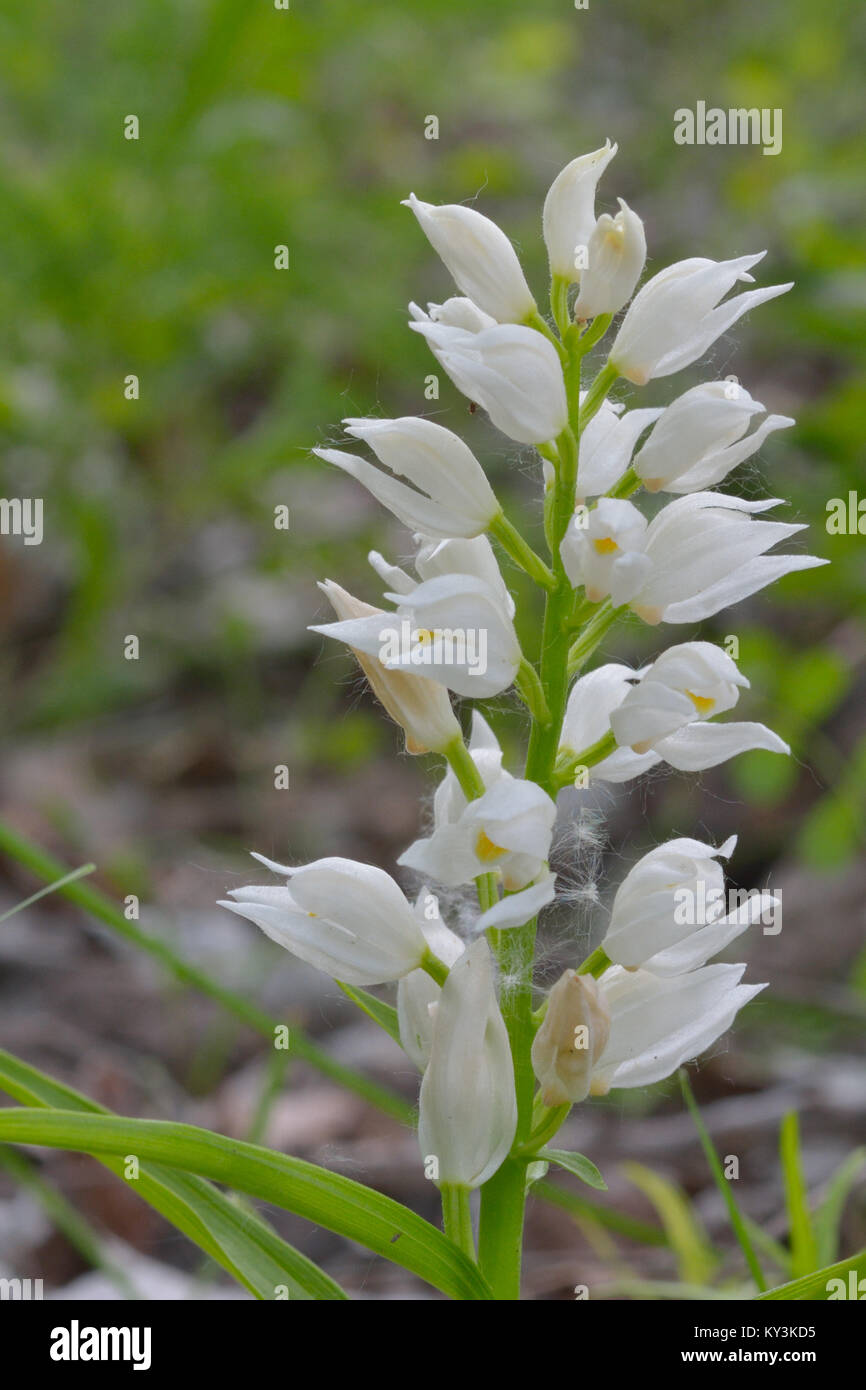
(71, 877)
(328, 1199)
(582, 1209)
(829, 1214)
(722, 1183)
(804, 1247)
(815, 1286)
(696, 1258)
(244, 1245)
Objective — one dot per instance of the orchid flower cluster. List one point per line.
(500, 1069)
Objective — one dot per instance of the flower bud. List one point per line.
(468, 1105)
(420, 706)
(570, 1040)
(569, 211)
(615, 259)
(479, 256)
(349, 920)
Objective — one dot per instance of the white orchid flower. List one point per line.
(451, 495)
(672, 321)
(687, 685)
(591, 701)
(420, 706)
(615, 259)
(454, 628)
(701, 436)
(510, 370)
(349, 920)
(659, 1022)
(468, 1105)
(648, 913)
(507, 830)
(568, 219)
(607, 444)
(701, 553)
(479, 256)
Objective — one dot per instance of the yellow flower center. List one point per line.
(702, 703)
(486, 850)
(605, 545)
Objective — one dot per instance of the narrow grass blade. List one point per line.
(583, 1209)
(61, 883)
(829, 1214)
(804, 1247)
(696, 1259)
(722, 1183)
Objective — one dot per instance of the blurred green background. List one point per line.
(261, 127)
(305, 128)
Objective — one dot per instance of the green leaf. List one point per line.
(696, 1258)
(244, 1245)
(804, 1249)
(328, 1199)
(829, 1213)
(577, 1164)
(376, 1009)
(813, 1286)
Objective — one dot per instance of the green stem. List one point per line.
(595, 964)
(550, 1122)
(559, 286)
(628, 483)
(596, 394)
(534, 320)
(532, 691)
(568, 763)
(457, 1217)
(434, 967)
(521, 553)
(462, 764)
(592, 636)
(594, 333)
(503, 1197)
